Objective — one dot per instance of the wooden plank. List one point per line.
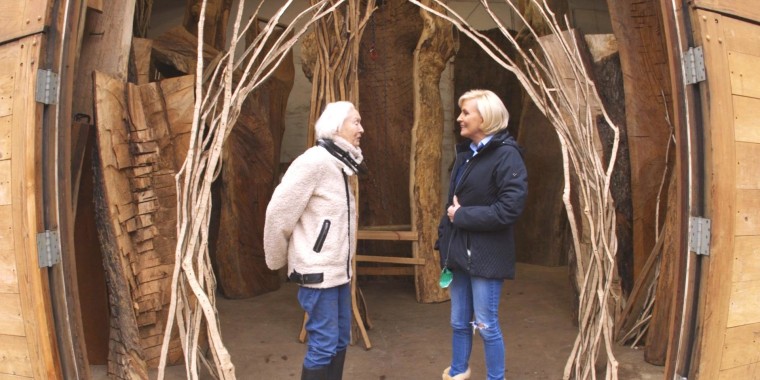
(5, 376)
(11, 320)
(141, 48)
(6, 228)
(720, 177)
(747, 212)
(750, 371)
(390, 260)
(387, 235)
(105, 48)
(26, 210)
(746, 259)
(745, 303)
(14, 356)
(740, 346)
(385, 271)
(746, 115)
(5, 137)
(8, 277)
(745, 78)
(9, 57)
(742, 8)
(5, 182)
(747, 165)
(21, 18)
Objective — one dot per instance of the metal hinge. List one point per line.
(693, 65)
(48, 248)
(699, 235)
(47, 87)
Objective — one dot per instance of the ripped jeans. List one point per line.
(475, 307)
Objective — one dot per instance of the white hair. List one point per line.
(331, 119)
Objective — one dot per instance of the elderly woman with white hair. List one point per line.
(310, 226)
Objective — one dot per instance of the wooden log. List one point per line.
(608, 77)
(643, 59)
(215, 24)
(174, 52)
(125, 358)
(386, 102)
(137, 151)
(434, 49)
(245, 186)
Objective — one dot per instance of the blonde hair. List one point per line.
(332, 118)
(491, 108)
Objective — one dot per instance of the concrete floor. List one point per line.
(411, 340)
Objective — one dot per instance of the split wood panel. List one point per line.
(729, 347)
(27, 336)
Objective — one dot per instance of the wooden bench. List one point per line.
(385, 233)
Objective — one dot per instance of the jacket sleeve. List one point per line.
(288, 203)
(511, 180)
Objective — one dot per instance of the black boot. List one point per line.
(335, 369)
(314, 373)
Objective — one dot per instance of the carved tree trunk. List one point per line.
(435, 47)
(643, 58)
(387, 108)
(136, 213)
(250, 168)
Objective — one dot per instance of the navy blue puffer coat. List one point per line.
(491, 192)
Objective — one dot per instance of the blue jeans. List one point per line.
(476, 296)
(329, 323)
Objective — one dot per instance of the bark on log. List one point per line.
(638, 29)
(609, 81)
(434, 49)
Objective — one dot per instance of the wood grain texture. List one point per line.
(22, 18)
(434, 49)
(644, 62)
(742, 8)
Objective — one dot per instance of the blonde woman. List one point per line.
(487, 193)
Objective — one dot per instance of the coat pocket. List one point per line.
(322, 236)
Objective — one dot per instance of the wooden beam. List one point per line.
(385, 271)
(390, 260)
(387, 235)
(96, 5)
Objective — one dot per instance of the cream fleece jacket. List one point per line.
(313, 191)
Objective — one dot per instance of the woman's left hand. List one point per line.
(453, 209)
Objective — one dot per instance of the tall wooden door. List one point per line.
(27, 334)
(729, 316)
